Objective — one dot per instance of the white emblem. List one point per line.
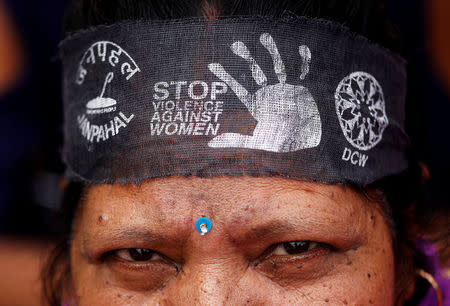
(287, 116)
(361, 110)
(101, 104)
(117, 59)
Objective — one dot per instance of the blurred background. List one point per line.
(31, 124)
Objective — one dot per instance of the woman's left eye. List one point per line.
(294, 247)
(136, 255)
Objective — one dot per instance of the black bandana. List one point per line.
(299, 98)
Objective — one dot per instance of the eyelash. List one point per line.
(285, 247)
(127, 256)
(123, 253)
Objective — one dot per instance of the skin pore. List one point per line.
(273, 241)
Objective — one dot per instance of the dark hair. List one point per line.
(398, 195)
(366, 17)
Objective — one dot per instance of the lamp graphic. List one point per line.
(100, 104)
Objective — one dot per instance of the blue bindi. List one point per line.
(203, 225)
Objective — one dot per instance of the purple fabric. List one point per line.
(433, 264)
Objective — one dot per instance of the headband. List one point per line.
(293, 97)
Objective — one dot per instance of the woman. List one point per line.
(235, 152)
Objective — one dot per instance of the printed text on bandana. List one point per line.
(102, 132)
(195, 116)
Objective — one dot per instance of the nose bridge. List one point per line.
(212, 267)
(207, 283)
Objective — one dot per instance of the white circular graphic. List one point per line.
(361, 110)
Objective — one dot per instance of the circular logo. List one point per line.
(361, 110)
(108, 59)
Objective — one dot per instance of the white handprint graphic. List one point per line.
(287, 116)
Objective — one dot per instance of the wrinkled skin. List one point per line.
(238, 261)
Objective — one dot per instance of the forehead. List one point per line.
(227, 198)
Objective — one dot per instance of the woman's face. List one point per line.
(273, 241)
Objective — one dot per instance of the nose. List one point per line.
(210, 282)
(211, 273)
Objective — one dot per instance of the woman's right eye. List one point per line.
(136, 255)
(139, 269)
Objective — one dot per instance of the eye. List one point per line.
(294, 247)
(136, 255)
(138, 269)
(294, 259)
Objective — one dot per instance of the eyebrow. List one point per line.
(128, 237)
(282, 230)
(137, 234)
(272, 228)
(335, 222)
(144, 235)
